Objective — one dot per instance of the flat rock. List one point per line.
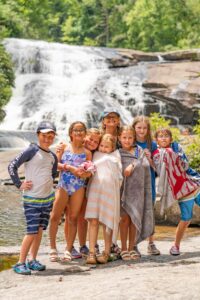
(158, 277)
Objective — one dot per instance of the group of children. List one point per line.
(107, 177)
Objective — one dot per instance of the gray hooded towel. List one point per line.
(136, 194)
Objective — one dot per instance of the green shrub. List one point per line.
(157, 122)
(193, 149)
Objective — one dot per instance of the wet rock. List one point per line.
(119, 62)
(177, 87)
(138, 55)
(193, 55)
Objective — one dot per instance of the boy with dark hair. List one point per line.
(175, 182)
(40, 166)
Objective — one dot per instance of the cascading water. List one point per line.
(65, 83)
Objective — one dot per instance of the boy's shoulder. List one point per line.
(28, 153)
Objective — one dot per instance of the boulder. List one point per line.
(172, 214)
(176, 85)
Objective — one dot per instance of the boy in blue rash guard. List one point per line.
(40, 166)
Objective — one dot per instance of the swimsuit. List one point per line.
(68, 181)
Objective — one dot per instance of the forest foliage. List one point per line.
(149, 25)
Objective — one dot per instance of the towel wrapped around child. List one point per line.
(138, 202)
(174, 183)
(103, 191)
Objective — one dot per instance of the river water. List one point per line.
(12, 225)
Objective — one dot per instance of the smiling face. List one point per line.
(141, 130)
(92, 141)
(45, 140)
(77, 132)
(111, 120)
(127, 139)
(163, 139)
(105, 146)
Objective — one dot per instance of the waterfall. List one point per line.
(64, 83)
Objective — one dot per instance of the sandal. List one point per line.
(103, 258)
(53, 255)
(134, 255)
(125, 255)
(91, 258)
(67, 256)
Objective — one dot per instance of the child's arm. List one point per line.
(13, 166)
(148, 156)
(55, 166)
(60, 148)
(80, 172)
(129, 170)
(63, 167)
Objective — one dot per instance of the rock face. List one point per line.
(177, 86)
(172, 85)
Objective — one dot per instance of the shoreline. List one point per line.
(151, 277)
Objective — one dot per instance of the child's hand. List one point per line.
(128, 171)
(80, 172)
(60, 147)
(147, 154)
(26, 185)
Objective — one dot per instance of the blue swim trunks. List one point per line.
(37, 212)
(186, 205)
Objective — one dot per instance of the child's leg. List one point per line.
(25, 247)
(124, 225)
(36, 243)
(108, 242)
(93, 233)
(132, 236)
(186, 208)
(151, 239)
(180, 230)
(74, 209)
(59, 205)
(152, 249)
(103, 258)
(82, 224)
(66, 231)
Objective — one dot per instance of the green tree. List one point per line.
(158, 122)
(6, 79)
(157, 25)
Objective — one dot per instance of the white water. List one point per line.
(65, 83)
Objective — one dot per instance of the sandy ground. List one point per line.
(160, 277)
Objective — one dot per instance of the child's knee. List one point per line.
(94, 222)
(73, 219)
(185, 223)
(55, 217)
(125, 220)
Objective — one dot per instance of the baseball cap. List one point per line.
(108, 111)
(46, 126)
